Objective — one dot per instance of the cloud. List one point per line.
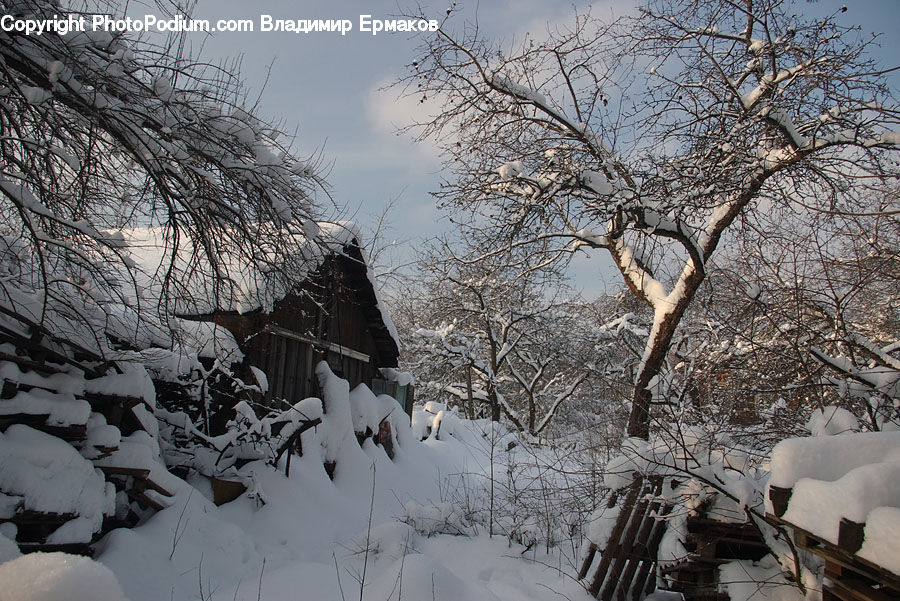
(389, 110)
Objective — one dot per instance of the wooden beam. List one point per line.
(321, 344)
(831, 552)
(856, 589)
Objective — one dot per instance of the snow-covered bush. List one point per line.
(322, 427)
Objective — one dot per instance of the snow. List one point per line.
(829, 458)
(101, 434)
(510, 170)
(402, 378)
(35, 95)
(619, 471)
(651, 288)
(818, 505)
(308, 533)
(8, 548)
(519, 90)
(671, 549)
(601, 524)
(210, 340)
(141, 451)
(597, 182)
(832, 420)
(250, 286)
(424, 576)
(57, 577)
(48, 475)
(61, 409)
(337, 421)
(882, 541)
(757, 581)
(850, 476)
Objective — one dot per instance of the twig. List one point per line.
(362, 580)
(259, 588)
(337, 572)
(176, 537)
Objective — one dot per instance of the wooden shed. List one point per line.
(335, 316)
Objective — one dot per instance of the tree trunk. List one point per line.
(531, 411)
(495, 405)
(470, 404)
(654, 359)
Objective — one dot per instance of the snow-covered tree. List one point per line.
(100, 132)
(655, 136)
(819, 308)
(480, 333)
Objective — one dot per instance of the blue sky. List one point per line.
(327, 88)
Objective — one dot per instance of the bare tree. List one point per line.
(824, 304)
(476, 314)
(654, 136)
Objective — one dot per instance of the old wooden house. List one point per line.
(332, 312)
(336, 316)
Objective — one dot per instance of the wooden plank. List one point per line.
(851, 535)
(318, 343)
(135, 472)
(647, 573)
(290, 371)
(587, 561)
(42, 352)
(856, 589)
(780, 497)
(308, 374)
(640, 554)
(831, 552)
(736, 529)
(140, 497)
(592, 549)
(614, 584)
(70, 548)
(612, 546)
(29, 516)
(280, 347)
(99, 400)
(154, 485)
(42, 368)
(32, 420)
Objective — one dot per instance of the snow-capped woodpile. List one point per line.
(78, 447)
(80, 441)
(841, 497)
(689, 504)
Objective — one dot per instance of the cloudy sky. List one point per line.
(329, 88)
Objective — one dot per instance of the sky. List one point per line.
(329, 88)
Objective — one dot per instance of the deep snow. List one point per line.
(306, 536)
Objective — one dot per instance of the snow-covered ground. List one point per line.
(308, 537)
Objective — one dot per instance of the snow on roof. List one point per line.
(166, 269)
(849, 476)
(248, 284)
